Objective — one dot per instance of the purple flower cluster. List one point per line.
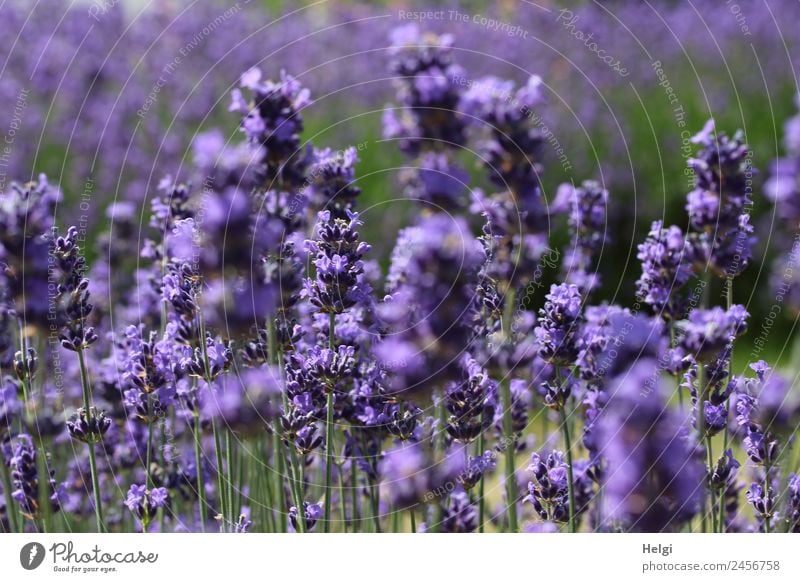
(262, 371)
(587, 221)
(719, 206)
(667, 265)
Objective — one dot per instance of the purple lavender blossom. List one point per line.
(651, 480)
(428, 89)
(73, 293)
(719, 205)
(762, 500)
(272, 120)
(513, 151)
(587, 221)
(312, 512)
(89, 428)
(26, 480)
(557, 329)
(438, 183)
(471, 403)
(793, 514)
(339, 284)
(144, 502)
(332, 181)
(427, 316)
(667, 258)
(459, 514)
(707, 332)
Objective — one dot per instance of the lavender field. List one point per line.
(389, 267)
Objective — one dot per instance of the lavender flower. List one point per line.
(514, 148)
(707, 332)
(73, 293)
(339, 284)
(244, 402)
(437, 182)
(272, 120)
(89, 427)
(27, 214)
(558, 325)
(150, 371)
(718, 207)
(427, 316)
(793, 513)
(428, 90)
(10, 405)
(144, 502)
(333, 180)
(459, 514)
(587, 222)
(723, 473)
(476, 468)
(471, 404)
(667, 258)
(762, 500)
(548, 491)
(312, 512)
(27, 481)
(653, 470)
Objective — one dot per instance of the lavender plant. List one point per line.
(251, 363)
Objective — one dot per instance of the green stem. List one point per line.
(297, 489)
(328, 460)
(221, 489)
(510, 460)
(148, 480)
(98, 513)
(44, 473)
(275, 358)
(342, 505)
(508, 426)
(570, 478)
(354, 515)
(87, 401)
(481, 485)
(11, 506)
(280, 461)
(329, 432)
(712, 496)
(376, 507)
(729, 301)
(767, 518)
(413, 514)
(232, 509)
(701, 427)
(198, 458)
